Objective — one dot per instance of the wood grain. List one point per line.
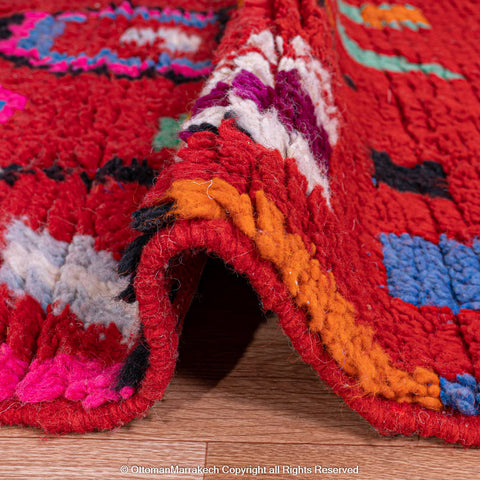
(240, 396)
(94, 457)
(412, 462)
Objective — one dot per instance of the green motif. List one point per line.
(167, 136)
(391, 63)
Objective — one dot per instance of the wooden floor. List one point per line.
(241, 397)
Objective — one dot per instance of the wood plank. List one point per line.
(374, 462)
(60, 458)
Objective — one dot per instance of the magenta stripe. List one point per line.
(248, 86)
(294, 106)
(218, 97)
(296, 110)
(62, 376)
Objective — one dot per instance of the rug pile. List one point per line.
(325, 151)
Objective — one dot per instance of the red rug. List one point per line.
(326, 152)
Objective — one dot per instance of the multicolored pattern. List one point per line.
(42, 40)
(60, 273)
(381, 17)
(423, 220)
(385, 15)
(306, 236)
(281, 96)
(335, 172)
(81, 97)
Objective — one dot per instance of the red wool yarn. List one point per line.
(322, 151)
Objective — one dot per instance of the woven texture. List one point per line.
(325, 152)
